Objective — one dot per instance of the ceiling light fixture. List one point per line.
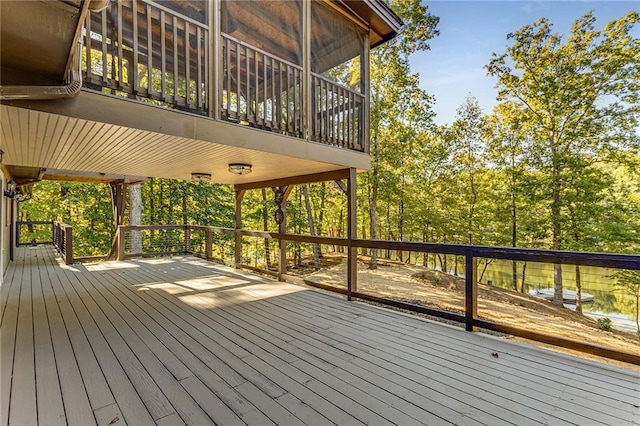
(240, 168)
(201, 177)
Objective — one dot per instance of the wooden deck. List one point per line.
(179, 340)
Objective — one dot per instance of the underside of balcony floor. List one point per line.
(179, 340)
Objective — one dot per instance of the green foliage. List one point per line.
(628, 282)
(604, 324)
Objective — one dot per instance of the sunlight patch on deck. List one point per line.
(109, 266)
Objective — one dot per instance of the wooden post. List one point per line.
(471, 290)
(68, 245)
(306, 70)
(209, 244)
(214, 48)
(238, 238)
(120, 243)
(187, 240)
(118, 189)
(352, 226)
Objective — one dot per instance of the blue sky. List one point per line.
(471, 30)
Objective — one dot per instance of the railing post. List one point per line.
(352, 227)
(471, 290)
(209, 244)
(120, 243)
(187, 240)
(68, 245)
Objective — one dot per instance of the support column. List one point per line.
(237, 253)
(352, 226)
(307, 93)
(118, 191)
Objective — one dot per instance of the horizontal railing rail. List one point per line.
(32, 233)
(203, 245)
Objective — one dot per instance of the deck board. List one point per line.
(183, 341)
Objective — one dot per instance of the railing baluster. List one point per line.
(187, 65)
(163, 56)
(199, 104)
(105, 74)
(228, 75)
(247, 95)
(120, 67)
(176, 71)
(264, 89)
(149, 52)
(87, 47)
(134, 65)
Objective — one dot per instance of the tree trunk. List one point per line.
(265, 227)
(556, 226)
(514, 226)
(373, 262)
(184, 195)
(578, 290)
(638, 314)
(320, 223)
(340, 228)
(401, 219)
(135, 216)
(524, 273)
(312, 229)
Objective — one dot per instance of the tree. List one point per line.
(578, 97)
(628, 282)
(397, 102)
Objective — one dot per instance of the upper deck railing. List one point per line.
(146, 51)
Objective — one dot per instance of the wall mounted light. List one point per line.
(10, 192)
(201, 177)
(240, 168)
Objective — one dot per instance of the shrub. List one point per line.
(604, 324)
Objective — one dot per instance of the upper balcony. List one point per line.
(296, 71)
(291, 67)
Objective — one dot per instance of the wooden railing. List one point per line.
(260, 89)
(144, 50)
(337, 114)
(63, 241)
(215, 243)
(32, 233)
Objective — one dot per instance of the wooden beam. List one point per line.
(342, 186)
(352, 226)
(294, 180)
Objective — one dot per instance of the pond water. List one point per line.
(596, 281)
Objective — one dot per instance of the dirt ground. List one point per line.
(420, 285)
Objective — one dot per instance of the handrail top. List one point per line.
(611, 260)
